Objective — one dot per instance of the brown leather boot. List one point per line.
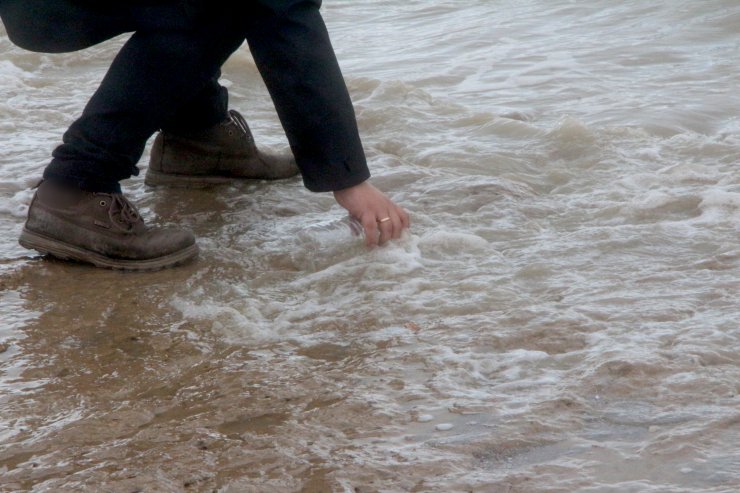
(103, 229)
(221, 154)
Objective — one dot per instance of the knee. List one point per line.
(55, 26)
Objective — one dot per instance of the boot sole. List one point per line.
(158, 179)
(155, 178)
(56, 248)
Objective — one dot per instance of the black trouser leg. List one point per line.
(156, 73)
(209, 107)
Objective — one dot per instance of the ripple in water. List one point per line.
(561, 317)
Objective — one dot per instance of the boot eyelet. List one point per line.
(103, 203)
(231, 133)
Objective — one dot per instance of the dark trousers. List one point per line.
(166, 76)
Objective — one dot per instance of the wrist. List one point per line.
(350, 189)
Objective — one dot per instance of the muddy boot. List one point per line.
(103, 229)
(221, 154)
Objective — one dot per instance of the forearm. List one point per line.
(291, 47)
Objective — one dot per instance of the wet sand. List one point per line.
(561, 318)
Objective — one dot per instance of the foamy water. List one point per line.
(562, 316)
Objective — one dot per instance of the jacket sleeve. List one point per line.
(291, 46)
(57, 26)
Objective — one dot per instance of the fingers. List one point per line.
(405, 219)
(370, 225)
(391, 225)
(399, 219)
(379, 228)
(387, 228)
(381, 219)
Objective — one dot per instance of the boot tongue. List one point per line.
(236, 119)
(124, 215)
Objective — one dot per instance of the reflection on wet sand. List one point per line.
(120, 382)
(562, 316)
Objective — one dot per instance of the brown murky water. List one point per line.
(562, 317)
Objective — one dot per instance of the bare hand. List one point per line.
(381, 219)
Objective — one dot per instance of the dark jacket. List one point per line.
(58, 26)
(289, 44)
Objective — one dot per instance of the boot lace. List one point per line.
(238, 120)
(122, 213)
